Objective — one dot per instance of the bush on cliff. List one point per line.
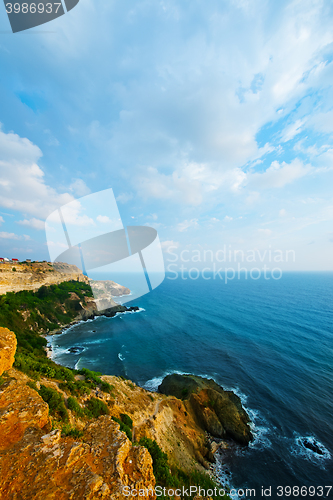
(74, 406)
(55, 401)
(126, 424)
(27, 313)
(160, 462)
(174, 477)
(95, 408)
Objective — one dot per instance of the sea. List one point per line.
(270, 341)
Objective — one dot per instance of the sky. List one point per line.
(212, 121)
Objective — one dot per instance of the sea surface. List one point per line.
(271, 341)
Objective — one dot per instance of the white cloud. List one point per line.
(72, 214)
(79, 187)
(279, 174)
(282, 212)
(265, 232)
(292, 130)
(169, 244)
(124, 197)
(34, 223)
(186, 224)
(22, 185)
(104, 219)
(9, 236)
(1, 220)
(13, 236)
(227, 218)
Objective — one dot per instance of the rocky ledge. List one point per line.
(217, 411)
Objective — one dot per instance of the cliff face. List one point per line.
(33, 276)
(7, 349)
(36, 462)
(218, 411)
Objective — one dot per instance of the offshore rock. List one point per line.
(217, 411)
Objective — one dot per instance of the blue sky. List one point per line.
(211, 121)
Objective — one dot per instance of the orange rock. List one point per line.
(7, 349)
(20, 408)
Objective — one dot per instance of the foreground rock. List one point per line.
(36, 462)
(48, 466)
(7, 349)
(217, 411)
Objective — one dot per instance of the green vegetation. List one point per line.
(56, 402)
(174, 477)
(76, 388)
(29, 313)
(95, 408)
(74, 406)
(92, 381)
(184, 392)
(126, 424)
(68, 430)
(32, 385)
(44, 310)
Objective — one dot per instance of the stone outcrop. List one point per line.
(217, 411)
(21, 408)
(17, 277)
(36, 462)
(52, 467)
(7, 349)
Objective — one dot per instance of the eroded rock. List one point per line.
(219, 412)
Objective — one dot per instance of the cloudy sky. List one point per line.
(212, 121)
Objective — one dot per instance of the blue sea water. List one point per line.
(269, 340)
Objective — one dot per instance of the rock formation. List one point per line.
(7, 349)
(218, 411)
(36, 462)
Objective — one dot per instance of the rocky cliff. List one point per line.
(70, 454)
(218, 411)
(31, 276)
(37, 462)
(7, 349)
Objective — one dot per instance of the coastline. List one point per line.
(107, 313)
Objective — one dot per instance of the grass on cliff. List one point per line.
(28, 314)
(173, 477)
(126, 424)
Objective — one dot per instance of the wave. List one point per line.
(121, 357)
(306, 446)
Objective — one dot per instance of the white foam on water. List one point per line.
(121, 357)
(298, 449)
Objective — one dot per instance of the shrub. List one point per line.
(160, 461)
(126, 420)
(106, 387)
(55, 401)
(32, 385)
(176, 477)
(95, 408)
(68, 430)
(74, 406)
(124, 427)
(77, 388)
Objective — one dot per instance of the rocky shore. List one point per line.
(217, 411)
(68, 434)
